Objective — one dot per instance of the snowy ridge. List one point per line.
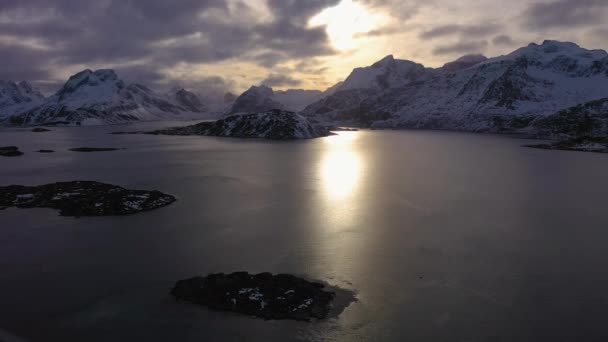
(499, 94)
(100, 97)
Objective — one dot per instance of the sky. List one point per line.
(214, 46)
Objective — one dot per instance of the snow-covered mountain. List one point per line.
(472, 93)
(100, 97)
(256, 99)
(187, 99)
(386, 73)
(263, 98)
(274, 124)
(17, 97)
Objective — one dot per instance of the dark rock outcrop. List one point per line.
(264, 295)
(586, 144)
(45, 151)
(83, 198)
(40, 130)
(94, 149)
(10, 151)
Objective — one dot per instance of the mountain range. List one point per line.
(518, 92)
(506, 93)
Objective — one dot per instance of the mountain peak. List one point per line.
(384, 61)
(464, 62)
(101, 84)
(472, 58)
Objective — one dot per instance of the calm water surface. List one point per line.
(443, 236)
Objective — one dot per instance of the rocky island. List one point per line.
(10, 151)
(274, 124)
(83, 198)
(264, 295)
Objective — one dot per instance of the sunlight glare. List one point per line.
(344, 21)
(341, 168)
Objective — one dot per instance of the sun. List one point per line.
(345, 21)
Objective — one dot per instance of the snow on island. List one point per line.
(274, 124)
(263, 295)
(83, 198)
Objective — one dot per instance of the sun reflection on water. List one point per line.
(341, 166)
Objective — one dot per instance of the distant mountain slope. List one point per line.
(256, 99)
(263, 98)
(16, 97)
(100, 97)
(472, 93)
(188, 100)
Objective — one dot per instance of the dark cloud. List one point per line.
(468, 31)
(503, 40)
(154, 34)
(276, 80)
(565, 13)
(464, 47)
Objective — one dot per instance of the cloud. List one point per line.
(141, 37)
(276, 80)
(565, 14)
(463, 47)
(469, 31)
(502, 40)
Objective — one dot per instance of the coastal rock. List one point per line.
(45, 151)
(264, 295)
(588, 144)
(40, 130)
(274, 124)
(10, 151)
(83, 198)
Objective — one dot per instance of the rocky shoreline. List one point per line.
(587, 144)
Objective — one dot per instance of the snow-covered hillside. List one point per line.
(472, 93)
(100, 97)
(17, 97)
(273, 124)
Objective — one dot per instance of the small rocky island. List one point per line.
(40, 130)
(264, 295)
(588, 144)
(10, 151)
(83, 198)
(274, 124)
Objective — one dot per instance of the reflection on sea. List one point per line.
(341, 166)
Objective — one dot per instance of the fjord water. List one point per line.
(443, 236)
